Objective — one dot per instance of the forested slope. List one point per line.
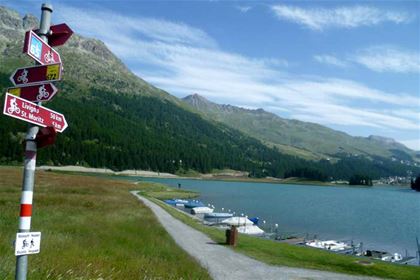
(117, 120)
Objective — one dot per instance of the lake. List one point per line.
(382, 217)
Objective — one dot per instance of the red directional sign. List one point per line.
(36, 74)
(46, 136)
(22, 109)
(36, 48)
(60, 33)
(36, 93)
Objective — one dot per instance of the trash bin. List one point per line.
(227, 236)
(231, 236)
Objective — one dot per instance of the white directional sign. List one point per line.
(27, 243)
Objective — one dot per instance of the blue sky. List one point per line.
(352, 66)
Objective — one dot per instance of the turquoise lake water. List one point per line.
(382, 217)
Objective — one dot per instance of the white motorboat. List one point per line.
(201, 210)
(250, 229)
(331, 245)
(384, 256)
(238, 221)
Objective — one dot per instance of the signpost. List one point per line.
(39, 50)
(27, 243)
(36, 93)
(33, 84)
(36, 74)
(60, 33)
(45, 137)
(25, 110)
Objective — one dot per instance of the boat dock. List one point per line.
(222, 221)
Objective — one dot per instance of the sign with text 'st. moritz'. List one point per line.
(24, 110)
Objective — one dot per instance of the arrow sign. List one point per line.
(37, 93)
(27, 111)
(36, 74)
(36, 48)
(60, 34)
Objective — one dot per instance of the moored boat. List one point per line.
(250, 229)
(217, 215)
(176, 202)
(331, 245)
(237, 221)
(193, 203)
(383, 256)
(201, 210)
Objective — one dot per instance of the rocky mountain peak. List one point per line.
(94, 46)
(195, 96)
(197, 100)
(9, 18)
(30, 22)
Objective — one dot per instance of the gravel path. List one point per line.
(222, 262)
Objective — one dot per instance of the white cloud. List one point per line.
(378, 58)
(331, 60)
(389, 59)
(341, 17)
(189, 61)
(111, 26)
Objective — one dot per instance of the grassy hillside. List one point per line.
(119, 121)
(92, 228)
(307, 140)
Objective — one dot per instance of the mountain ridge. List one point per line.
(118, 120)
(258, 122)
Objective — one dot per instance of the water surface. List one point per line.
(382, 217)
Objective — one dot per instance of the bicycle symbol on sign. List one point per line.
(23, 76)
(13, 107)
(25, 244)
(42, 93)
(49, 57)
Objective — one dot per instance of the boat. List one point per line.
(383, 256)
(331, 245)
(194, 203)
(250, 230)
(201, 210)
(176, 202)
(217, 215)
(255, 220)
(237, 221)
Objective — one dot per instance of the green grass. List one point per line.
(276, 253)
(163, 192)
(92, 228)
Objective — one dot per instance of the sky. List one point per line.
(352, 66)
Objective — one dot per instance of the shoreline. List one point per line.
(237, 176)
(233, 176)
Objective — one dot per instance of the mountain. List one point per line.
(304, 139)
(119, 121)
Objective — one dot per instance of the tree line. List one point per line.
(120, 131)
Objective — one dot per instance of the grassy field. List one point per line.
(92, 228)
(277, 253)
